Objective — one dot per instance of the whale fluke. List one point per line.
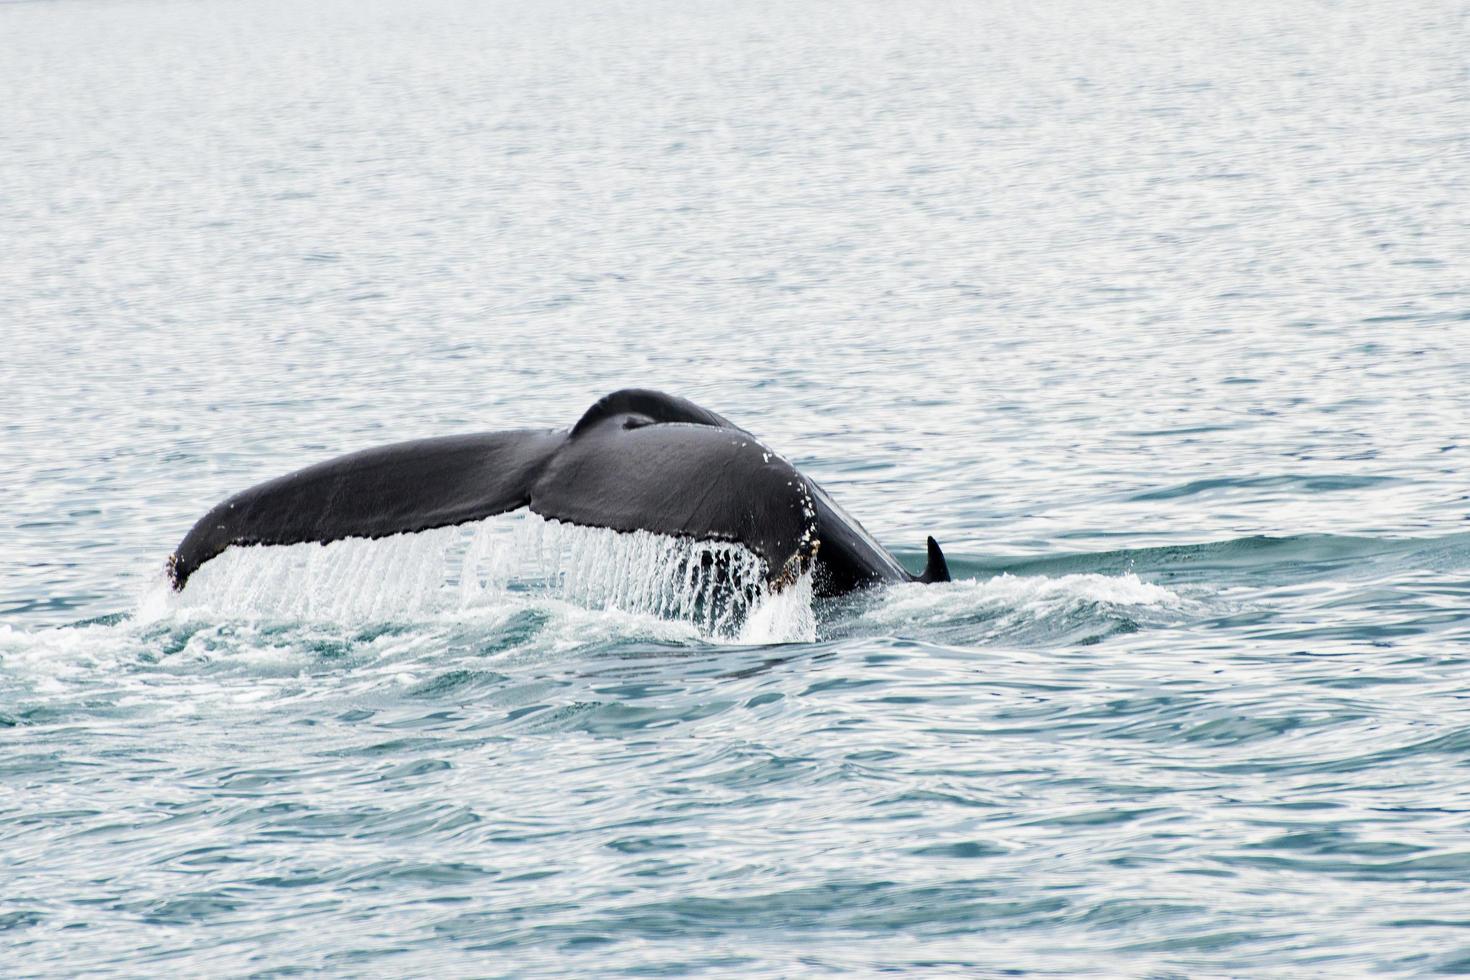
(637, 460)
(408, 486)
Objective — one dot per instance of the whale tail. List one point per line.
(637, 461)
(936, 569)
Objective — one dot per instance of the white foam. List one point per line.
(718, 587)
(54, 660)
(782, 617)
(1010, 599)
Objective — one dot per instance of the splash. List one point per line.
(718, 587)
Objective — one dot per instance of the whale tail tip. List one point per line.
(936, 569)
(176, 573)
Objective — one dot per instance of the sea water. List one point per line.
(1156, 315)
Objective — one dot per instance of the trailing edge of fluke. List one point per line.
(636, 460)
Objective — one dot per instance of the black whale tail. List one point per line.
(637, 461)
(936, 569)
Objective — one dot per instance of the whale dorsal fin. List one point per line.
(936, 569)
(642, 406)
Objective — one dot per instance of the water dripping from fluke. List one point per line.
(719, 588)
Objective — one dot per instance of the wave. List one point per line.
(1075, 609)
(1320, 483)
(1251, 558)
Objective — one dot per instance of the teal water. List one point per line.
(1155, 317)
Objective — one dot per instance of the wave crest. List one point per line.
(1079, 608)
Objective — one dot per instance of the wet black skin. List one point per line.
(636, 460)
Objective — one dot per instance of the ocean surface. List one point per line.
(1156, 315)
